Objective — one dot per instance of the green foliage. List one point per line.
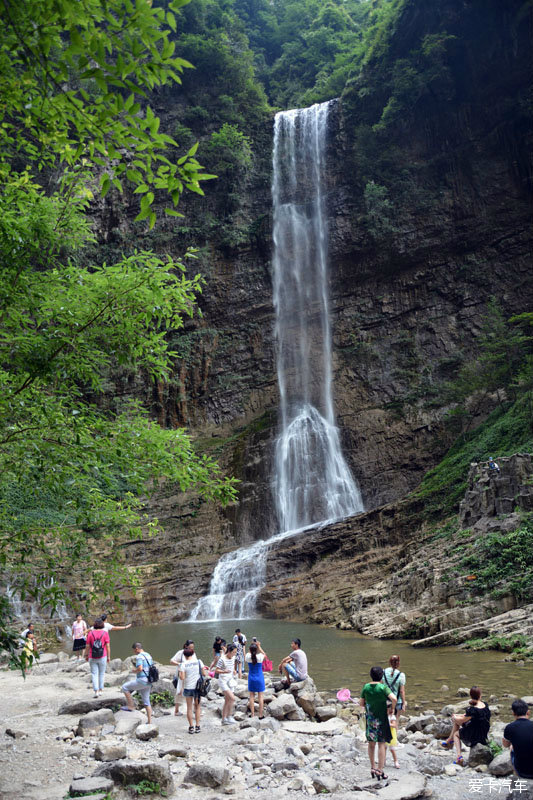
(74, 470)
(506, 431)
(74, 78)
(518, 645)
(503, 562)
(379, 210)
(229, 153)
(164, 699)
(495, 748)
(147, 787)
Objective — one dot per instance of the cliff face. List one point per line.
(413, 265)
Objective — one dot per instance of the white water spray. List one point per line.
(312, 484)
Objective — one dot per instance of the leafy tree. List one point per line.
(74, 465)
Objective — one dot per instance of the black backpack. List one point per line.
(153, 672)
(202, 684)
(97, 648)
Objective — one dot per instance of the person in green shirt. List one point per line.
(374, 698)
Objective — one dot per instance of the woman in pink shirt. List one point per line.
(97, 654)
(79, 632)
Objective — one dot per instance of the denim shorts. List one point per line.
(190, 693)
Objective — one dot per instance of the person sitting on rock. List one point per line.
(493, 467)
(471, 727)
(143, 661)
(518, 735)
(295, 665)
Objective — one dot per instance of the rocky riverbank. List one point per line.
(58, 742)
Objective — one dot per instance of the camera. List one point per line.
(254, 639)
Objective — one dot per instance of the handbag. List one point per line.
(266, 665)
(203, 685)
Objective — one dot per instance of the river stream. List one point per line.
(343, 658)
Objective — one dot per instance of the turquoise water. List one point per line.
(343, 658)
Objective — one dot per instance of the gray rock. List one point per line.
(93, 722)
(174, 750)
(277, 766)
(462, 692)
(306, 748)
(126, 772)
(323, 713)
(16, 734)
(298, 715)
(408, 787)
(86, 706)
(283, 705)
(146, 732)
(48, 658)
(127, 721)
(479, 754)
(323, 784)
(84, 786)
(115, 665)
(429, 765)
(501, 765)
(270, 724)
(528, 699)
(109, 752)
(206, 775)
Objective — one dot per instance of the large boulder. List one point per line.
(306, 696)
(323, 784)
(479, 754)
(146, 732)
(282, 706)
(109, 752)
(85, 706)
(82, 786)
(323, 713)
(92, 723)
(126, 772)
(408, 787)
(421, 722)
(501, 765)
(127, 721)
(207, 775)
(430, 765)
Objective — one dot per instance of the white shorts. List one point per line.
(227, 684)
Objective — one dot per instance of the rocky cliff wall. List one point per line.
(410, 283)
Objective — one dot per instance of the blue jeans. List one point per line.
(98, 666)
(291, 669)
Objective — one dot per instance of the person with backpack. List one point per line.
(191, 669)
(394, 680)
(145, 674)
(97, 653)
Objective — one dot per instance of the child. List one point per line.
(29, 652)
(394, 740)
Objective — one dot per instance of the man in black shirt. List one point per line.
(519, 735)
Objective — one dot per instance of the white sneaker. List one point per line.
(231, 720)
(226, 722)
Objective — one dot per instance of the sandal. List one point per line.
(459, 761)
(197, 729)
(125, 708)
(446, 744)
(396, 765)
(191, 728)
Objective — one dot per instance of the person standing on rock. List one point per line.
(374, 698)
(29, 652)
(177, 659)
(295, 665)
(256, 679)
(108, 626)
(191, 668)
(225, 670)
(395, 680)
(519, 736)
(472, 727)
(97, 653)
(79, 633)
(218, 646)
(239, 640)
(143, 661)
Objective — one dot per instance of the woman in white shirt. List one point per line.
(225, 670)
(176, 659)
(191, 668)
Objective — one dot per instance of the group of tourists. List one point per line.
(229, 662)
(383, 698)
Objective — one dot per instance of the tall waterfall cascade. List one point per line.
(312, 483)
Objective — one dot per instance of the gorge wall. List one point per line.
(429, 218)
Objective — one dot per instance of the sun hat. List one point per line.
(343, 695)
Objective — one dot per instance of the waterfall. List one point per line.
(312, 483)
